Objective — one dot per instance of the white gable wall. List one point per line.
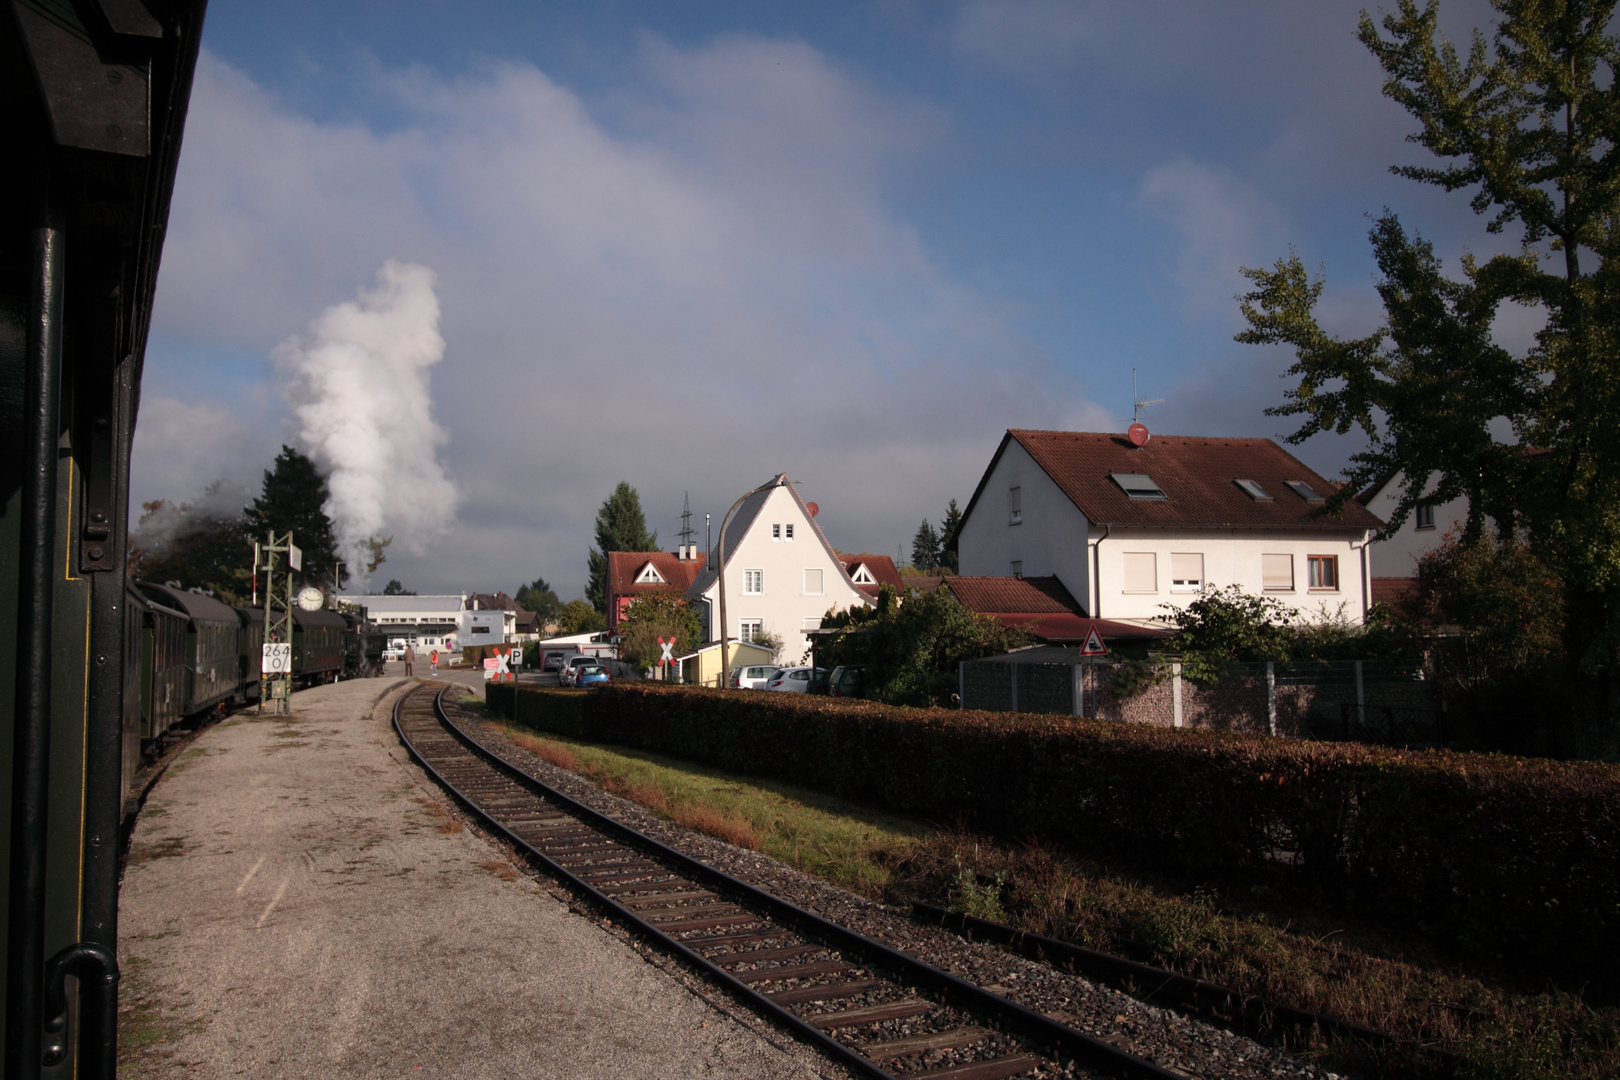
(1398, 556)
(1050, 540)
(784, 605)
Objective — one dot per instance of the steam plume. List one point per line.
(359, 385)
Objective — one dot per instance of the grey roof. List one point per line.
(377, 604)
(195, 604)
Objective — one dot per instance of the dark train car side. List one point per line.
(213, 650)
(250, 652)
(317, 646)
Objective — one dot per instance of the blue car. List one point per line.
(593, 673)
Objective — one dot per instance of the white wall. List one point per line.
(1398, 556)
(784, 605)
(1050, 539)
(1233, 557)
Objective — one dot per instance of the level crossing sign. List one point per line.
(496, 669)
(1094, 644)
(668, 647)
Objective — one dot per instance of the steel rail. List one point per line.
(1060, 1040)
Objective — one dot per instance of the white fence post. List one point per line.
(1175, 689)
(1271, 696)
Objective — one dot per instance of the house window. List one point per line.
(1186, 573)
(1277, 573)
(776, 532)
(649, 576)
(812, 583)
(753, 582)
(1324, 572)
(1425, 515)
(863, 576)
(811, 622)
(1253, 490)
(1141, 572)
(789, 528)
(749, 629)
(1018, 568)
(1015, 505)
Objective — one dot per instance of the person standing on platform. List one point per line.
(410, 658)
(433, 658)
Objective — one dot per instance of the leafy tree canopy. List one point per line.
(620, 526)
(294, 498)
(394, 588)
(914, 647)
(195, 544)
(1526, 122)
(579, 617)
(538, 597)
(654, 616)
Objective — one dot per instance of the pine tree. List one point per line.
(294, 498)
(620, 526)
(538, 597)
(394, 588)
(925, 548)
(949, 561)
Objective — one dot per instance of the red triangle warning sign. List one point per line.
(1094, 644)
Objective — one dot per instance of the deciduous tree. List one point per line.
(654, 616)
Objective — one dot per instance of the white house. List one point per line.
(781, 575)
(427, 622)
(1128, 529)
(1421, 532)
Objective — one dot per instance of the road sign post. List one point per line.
(275, 684)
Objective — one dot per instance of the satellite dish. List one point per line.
(1138, 434)
(813, 508)
(310, 598)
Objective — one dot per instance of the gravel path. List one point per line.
(1176, 1042)
(300, 901)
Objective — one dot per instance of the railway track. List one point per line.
(874, 1009)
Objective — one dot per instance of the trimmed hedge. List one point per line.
(1508, 857)
(499, 697)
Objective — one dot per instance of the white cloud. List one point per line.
(708, 292)
(1220, 225)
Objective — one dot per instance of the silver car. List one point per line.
(754, 677)
(794, 680)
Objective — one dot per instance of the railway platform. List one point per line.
(300, 902)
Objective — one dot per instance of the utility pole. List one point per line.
(275, 669)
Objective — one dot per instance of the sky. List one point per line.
(484, 260)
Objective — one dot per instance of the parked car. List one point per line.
(794, 680)
(569, 674)
(754, 677)
(554, 659)
(847, 680)
(591, 675)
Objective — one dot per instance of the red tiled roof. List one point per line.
(1010, 595)
(625, 566)
(880, 567)
(1071, 627)
(926, 583)
(1394, 590)
(1196, 475)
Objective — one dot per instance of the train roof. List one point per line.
(322, 617)
(194, 604)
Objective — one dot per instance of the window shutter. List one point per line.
(1277, 572)
(812, 583)
(1141, 571)
(1186, 571)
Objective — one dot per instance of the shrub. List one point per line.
(1501, 855)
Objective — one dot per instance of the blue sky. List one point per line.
(693, 245)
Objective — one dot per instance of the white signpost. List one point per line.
(295, 556)
(277, 658)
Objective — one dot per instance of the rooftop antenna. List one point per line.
(1138, 432)
(1137, 403)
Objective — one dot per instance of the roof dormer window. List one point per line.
(1138, 486)
(1253, 490)
(863, 576)
(650, 576)
(1305, 491)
